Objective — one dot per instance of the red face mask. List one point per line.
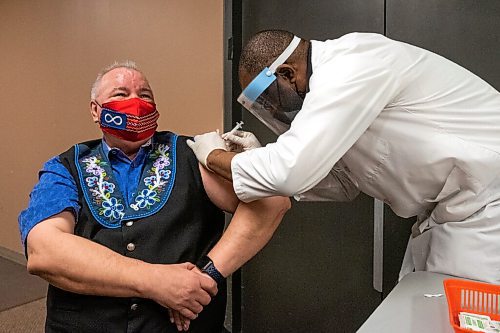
(131, 119)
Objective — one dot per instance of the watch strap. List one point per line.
(206, 265)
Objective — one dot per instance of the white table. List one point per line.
(406, 309)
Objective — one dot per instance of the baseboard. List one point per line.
(12, 256)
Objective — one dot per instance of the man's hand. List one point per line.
(241, 141)
(204, 144)
(181, 288)
(181, 322)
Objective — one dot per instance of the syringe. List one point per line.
(239, 124)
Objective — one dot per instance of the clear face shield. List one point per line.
(270, 98)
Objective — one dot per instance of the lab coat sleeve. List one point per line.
(346, 95)
(336, 186)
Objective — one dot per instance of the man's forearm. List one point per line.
(79, 265)
(219, 161)
(76, 264)
(251, 228)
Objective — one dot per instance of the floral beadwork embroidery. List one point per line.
(101, 189)
(157, 180)
(103, 196)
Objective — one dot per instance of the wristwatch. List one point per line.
(206, 265)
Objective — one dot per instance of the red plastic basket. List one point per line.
(474, 297)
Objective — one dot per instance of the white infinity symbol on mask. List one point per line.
(117, 120)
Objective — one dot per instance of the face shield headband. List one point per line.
(269, 98)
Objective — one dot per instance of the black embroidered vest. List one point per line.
(171, 220)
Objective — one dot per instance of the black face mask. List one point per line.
(290, 101)
(302, 94)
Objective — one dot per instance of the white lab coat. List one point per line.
(403, 125)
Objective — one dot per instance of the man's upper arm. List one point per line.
(219, 190)
(55, 192)
(62, 222)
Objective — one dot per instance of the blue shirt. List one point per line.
(57, 191)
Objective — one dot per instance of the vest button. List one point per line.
(134, 307)
(131, 246)
(129, 223)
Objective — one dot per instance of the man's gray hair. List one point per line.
(122, 64)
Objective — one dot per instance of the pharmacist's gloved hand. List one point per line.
(204, 144)
(239, 141)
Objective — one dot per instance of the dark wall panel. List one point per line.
(316, 273)
(397, 231)
(316, 19)
(465, 31)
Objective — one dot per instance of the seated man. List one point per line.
(115, 225)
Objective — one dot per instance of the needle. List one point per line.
(239, 124)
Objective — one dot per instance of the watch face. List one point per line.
(204, 262)
(207, 266)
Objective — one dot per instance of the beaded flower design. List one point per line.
(107, 203)
(102, 189)
(159, 175)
